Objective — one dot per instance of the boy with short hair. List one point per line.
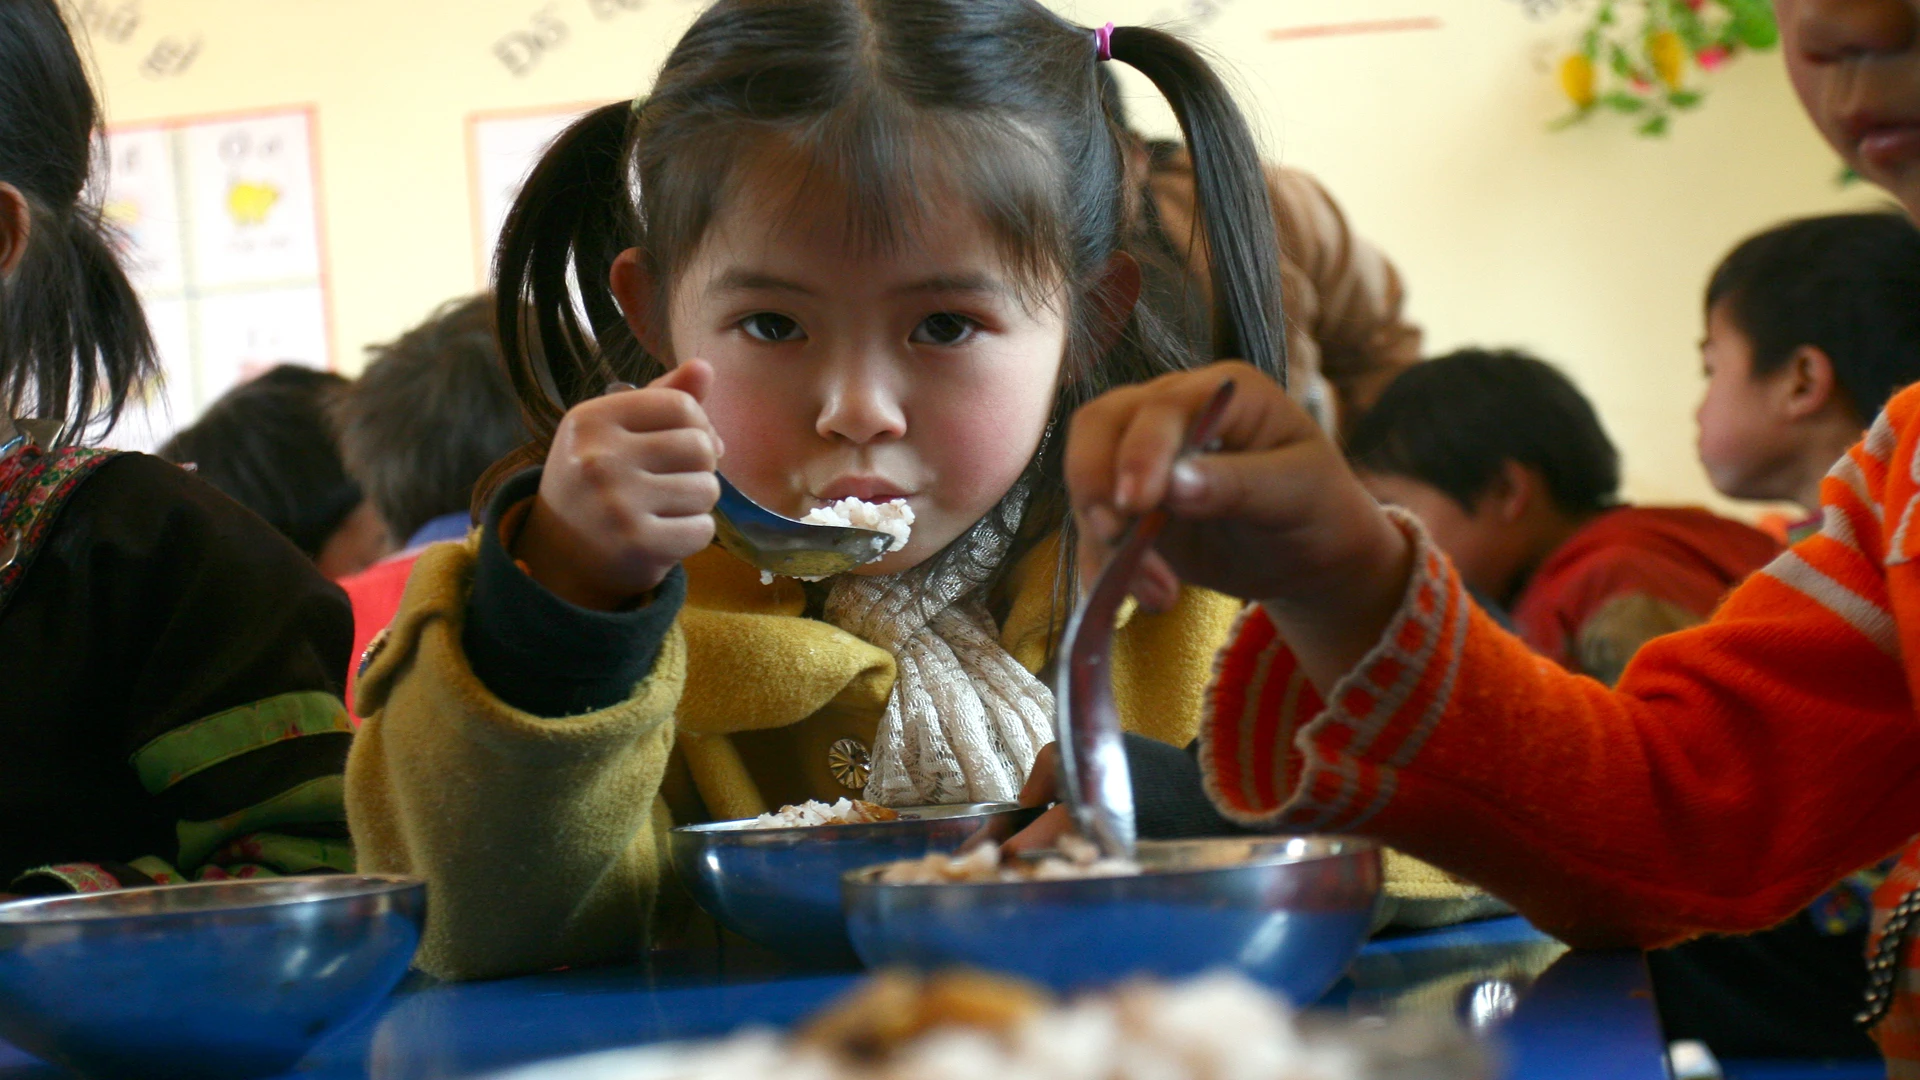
(1811, 326)
(428, 416)
(1506, 464)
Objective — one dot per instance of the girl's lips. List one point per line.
(865, 488)
(1890, 146)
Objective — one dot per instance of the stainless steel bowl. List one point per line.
(1291, 912)
(221, 980)
(781, 887)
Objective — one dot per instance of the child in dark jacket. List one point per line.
(171, 666)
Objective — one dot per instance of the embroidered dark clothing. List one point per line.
(170, 678)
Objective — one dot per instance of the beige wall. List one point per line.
(1589, 246)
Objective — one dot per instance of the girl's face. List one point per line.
(920, 373)
(1856, 66)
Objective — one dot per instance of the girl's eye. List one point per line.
(944, 328)
(772, 328)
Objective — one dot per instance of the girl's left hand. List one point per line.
(1042, 787)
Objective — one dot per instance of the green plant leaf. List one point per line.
(1622, 102)
(1654, 127)
(1685, 99)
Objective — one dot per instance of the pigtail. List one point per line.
(571, 220)
(1235, 209)
(77, 339)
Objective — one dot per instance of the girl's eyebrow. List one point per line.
(956, 283)
(743, 280)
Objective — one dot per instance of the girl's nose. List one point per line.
(1833, 30)
(861, 407)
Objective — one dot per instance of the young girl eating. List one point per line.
(1739, 768)
(874, 250)
(170, 667)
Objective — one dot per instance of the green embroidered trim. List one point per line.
(206, 742)
(318, 801)
(275, 852)
(160, 870)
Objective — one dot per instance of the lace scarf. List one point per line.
(965, 720)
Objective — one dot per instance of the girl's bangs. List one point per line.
(896, 170)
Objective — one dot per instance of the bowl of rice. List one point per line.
(775, 879)
(1290, 912)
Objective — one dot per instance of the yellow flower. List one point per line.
(1576, 79)
(1669, 57)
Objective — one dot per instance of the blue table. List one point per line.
(1557, 1013)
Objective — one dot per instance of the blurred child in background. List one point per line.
(1505, 462)
(269, 444)
(1811, 326)
(431, 412)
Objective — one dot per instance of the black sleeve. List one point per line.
(542, 655)
(1169, 801)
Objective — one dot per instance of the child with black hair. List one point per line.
(171, 665)
(426, 419)
(1811, 327)
(1505, 463)
(270, 445)
(873, 249)
(1740, 767)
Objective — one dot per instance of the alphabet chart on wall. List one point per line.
(220, 227)
(502, 148)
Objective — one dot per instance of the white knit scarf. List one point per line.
(965, 720)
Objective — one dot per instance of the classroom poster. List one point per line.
(502, 149)
(219, 223)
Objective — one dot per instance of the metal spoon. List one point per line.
(1093, 758)
(779, 544)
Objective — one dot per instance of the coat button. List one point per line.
(849, 762)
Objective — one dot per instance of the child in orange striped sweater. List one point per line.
(1740, 767)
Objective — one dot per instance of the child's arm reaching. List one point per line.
(518, 723)
(1277, 516)
(1739, 769)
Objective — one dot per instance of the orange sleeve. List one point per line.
(1739, 769)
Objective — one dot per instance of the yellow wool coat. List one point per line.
(537, 836)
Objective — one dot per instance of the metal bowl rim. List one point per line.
(21, 913)
(1344, 847)
(743, 826)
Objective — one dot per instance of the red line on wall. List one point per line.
(1353, 29)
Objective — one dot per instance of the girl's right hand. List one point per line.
(1275, 516)
(628, 492)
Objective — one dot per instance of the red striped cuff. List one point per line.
(1266, 766)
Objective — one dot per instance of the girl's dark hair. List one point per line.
(1454, 421)
(1000, 97)
(1848, 284)
(270, 446)
(73, 341)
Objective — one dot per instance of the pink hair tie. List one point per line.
(1103, 42)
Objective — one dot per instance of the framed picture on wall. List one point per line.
(220, 226)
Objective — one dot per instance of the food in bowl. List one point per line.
(814, 812)
(970, 1026)
(894, 517)
(1075, 857)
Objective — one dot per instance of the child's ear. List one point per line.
(1812, 386)
(1515, 490)
(15, 225)
(1114, 295)
(632, 283)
